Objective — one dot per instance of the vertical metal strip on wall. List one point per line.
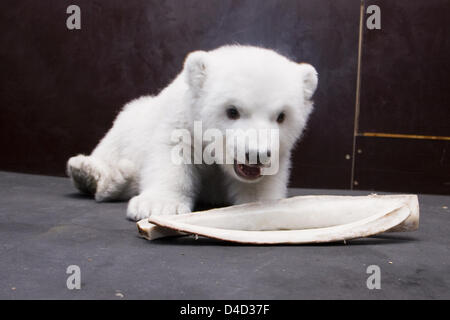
(357, 98)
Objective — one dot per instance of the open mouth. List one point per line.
(248, 172)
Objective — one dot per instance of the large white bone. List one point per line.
(302, 219)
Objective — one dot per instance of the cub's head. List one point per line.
(250, 92)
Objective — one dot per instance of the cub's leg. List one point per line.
(96, 177)
(165, 188)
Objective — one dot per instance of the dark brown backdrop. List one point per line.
(61, 89)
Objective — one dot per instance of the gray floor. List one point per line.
(45, 226)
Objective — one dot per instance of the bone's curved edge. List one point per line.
(364, 228)
(412, 222)
(150, 231)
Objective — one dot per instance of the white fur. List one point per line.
(134, 158)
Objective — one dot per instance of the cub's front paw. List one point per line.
(143, 206)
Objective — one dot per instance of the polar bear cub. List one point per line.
(229, 88)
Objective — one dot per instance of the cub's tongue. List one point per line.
(248, 172)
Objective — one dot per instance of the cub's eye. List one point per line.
(281, 117)
(233, 113)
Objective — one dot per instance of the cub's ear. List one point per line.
(310, 80)
(195, 67)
